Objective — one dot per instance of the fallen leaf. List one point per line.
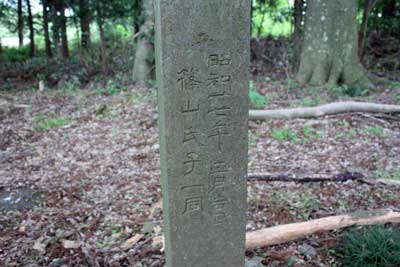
(158, 242)
(131, 242)
(68, 244)
(40, 245)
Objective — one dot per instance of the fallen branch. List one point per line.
(289, 232)
(324, 110)
(286, 177)
(315, 178)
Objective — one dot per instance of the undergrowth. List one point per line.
(374, 246)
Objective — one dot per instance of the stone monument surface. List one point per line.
(202, 55)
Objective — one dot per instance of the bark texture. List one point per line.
(63, 26)
(368, 6)
(46, 28)
(20, 24)
(100, 24)
(298, 19)
(84, 17)
(31, 29)
(55, 25)
(330, 47)
(144, 59)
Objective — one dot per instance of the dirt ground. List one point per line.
(79, 176)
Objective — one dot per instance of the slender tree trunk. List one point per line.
(85, 19)
(144, 59)
(46, 28)
(261, 26)
(100, 24)
(64, 37)
(251, 18)
(368, 6)
(56, 26)
(330, 47)
(20, 24)
(31, 29)
(298, 19)
(1, 52)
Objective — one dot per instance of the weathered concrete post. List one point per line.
(202, 54)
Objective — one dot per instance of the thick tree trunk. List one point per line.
(144, 60)
(85, 19)
(330, 47)
(31, 29)
(64, 37)
(46, 29)
(20, 24)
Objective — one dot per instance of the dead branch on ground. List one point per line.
(324, 110)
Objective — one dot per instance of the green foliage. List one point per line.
(45, 122)
(352, 91)
(256, 99)
(13, 54)
(378, 131)
(284, 134)
(392, 173)
(307, 204)
(309, 133)
(272, 17)
(374, 246)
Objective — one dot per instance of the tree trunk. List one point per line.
(1, 52)
(368, 6)
(144, 60)
(46, 28)
(20, 25)
(298, 18)
(31, 29)
(330, 47)
(56, 26)
(63, 26)
(85, 19)
(100, 24)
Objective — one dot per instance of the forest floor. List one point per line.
(79, 176)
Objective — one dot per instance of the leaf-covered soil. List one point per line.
(79, 176)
